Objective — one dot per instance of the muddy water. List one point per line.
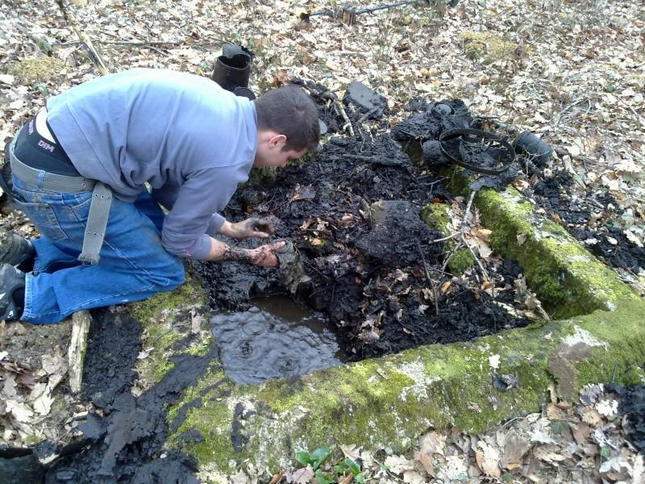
(275, 338)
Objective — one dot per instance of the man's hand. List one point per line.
(251, 227)
(265, 255)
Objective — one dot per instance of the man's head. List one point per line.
(287, 126)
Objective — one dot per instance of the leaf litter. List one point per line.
(571, 79)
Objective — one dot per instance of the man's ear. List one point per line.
(278, 141)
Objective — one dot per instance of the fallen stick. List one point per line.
(367, 114)
(567, 108)
(481, 266)
(467, 211)
(77, 347)
(348, 123)
(94, 55)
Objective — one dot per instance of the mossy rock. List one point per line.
(389, 402)
(564, 275)
(487, 47)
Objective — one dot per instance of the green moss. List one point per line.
(388, 402)
(624, 332)
(157, 364)
(201, 348)
(461, 261)
(189, 293)
(487, 47)
(157, 317)
(565, 276)
(32, 439)
(36, 69)
(437, 216)
(212, 419)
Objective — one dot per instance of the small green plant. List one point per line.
(349, 466)
(316, 459)
(328, 474)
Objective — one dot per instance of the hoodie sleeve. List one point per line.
(194, 214)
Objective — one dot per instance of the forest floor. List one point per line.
(570, 72)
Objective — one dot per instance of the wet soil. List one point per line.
(592, 218)
(632, 408)
(377, 280)
(121, 438)
(273, 339)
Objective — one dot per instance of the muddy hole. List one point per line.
(378, 276)
(274, 338)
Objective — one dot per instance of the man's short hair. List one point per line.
(290, 111)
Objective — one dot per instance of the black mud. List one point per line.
(591, 215)
(632, 408)
(352, 212)
(122, 439)
(592, 218)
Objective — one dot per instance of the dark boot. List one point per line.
(233, 68)
(12, 292)
(15, 250)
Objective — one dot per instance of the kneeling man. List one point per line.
(80, 169)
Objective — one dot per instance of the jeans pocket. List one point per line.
(72, 214)
(43, 217)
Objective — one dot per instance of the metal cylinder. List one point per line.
(232, 72)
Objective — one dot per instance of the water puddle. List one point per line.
(274, 339)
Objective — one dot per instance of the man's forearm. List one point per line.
(222, 251)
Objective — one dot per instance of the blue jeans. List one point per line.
(133, 266)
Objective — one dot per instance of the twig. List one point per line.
(567, 108)
(137, 43)
(467, 211)
(96, 58)
(77, 347)
(348, 123)
(453, 251)
(447, 237)
(638, 116)
(432, 282)
(368, 114)
(361, 157)
(481, 267)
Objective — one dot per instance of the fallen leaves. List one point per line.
(487, 457)
(27, 394)
(554, 446)
(303, 193)
(304, 475)
(431, 443)
(515, 445)
(536, 91)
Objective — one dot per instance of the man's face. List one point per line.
(270, 150)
